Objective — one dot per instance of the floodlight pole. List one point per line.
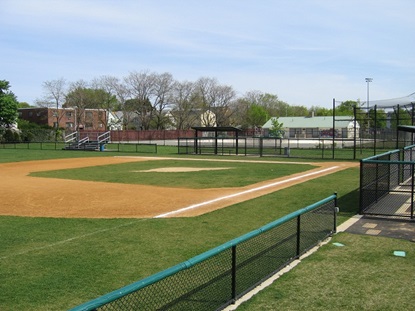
(368, 80)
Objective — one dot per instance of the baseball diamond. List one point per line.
(51, 197)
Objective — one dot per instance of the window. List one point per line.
(69, 125)
(88, 114)
(69, 114)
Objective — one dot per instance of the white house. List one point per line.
(316, 127)
(114, 121)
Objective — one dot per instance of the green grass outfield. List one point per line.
(362, 275)
(220, 174)
(56, 264)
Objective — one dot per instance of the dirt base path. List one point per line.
(22, 195)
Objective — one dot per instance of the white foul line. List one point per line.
(244, 192)
(67, 240)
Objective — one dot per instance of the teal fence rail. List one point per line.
(218, 277)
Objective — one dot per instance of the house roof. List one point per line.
(311, 122)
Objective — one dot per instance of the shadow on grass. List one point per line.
(348, 205)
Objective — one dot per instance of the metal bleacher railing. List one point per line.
(218, 277)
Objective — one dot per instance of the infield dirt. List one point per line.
(23, 195)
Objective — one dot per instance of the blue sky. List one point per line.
(305, 51)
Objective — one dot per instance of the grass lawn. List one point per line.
(56, 264)
(362, 275)
(22, 154)
(219, 175)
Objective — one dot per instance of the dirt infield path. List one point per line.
(22, 195)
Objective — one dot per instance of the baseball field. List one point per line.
(75, 226)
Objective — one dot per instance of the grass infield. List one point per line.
(212, 175)
(55, 264)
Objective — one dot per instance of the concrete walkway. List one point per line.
(393, 228)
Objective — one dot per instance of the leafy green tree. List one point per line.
(270, 102)
(378, 115)
(297, 111)
(320, 111)
(401, 117)
(256, 115)
(277, 129)
(23, 105)
(346, 108)
(8, 105)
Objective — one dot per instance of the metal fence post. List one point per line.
(412, 191)
(233, 297)
(298, 235)
(377, 182)
(261, 147)
(336, 210)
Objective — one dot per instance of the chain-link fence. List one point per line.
(258, 146)
(216, 278)
(387, 184)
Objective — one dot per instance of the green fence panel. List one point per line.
(216, 278)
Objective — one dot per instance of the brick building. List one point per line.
(67, 118)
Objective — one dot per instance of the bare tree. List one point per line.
(141, 86)
(205, 96)
(54, 97)
(154, 89)
(105, 96)
(77, 98)
(216, 99)
(225, 95)
(115, 86)
(184, 108)
(161, 94)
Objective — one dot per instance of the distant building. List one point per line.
(114, 121)
(124, 120)
(315, 127)
(67, 118)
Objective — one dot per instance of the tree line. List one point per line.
(158, 101)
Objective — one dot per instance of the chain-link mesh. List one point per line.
(387, 185)
(316, 226)
(230, 146)
(204, 286)
(214, 279)
(259, 257)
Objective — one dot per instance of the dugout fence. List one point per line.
(387, 184)
(231, 146)
(216, 278)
